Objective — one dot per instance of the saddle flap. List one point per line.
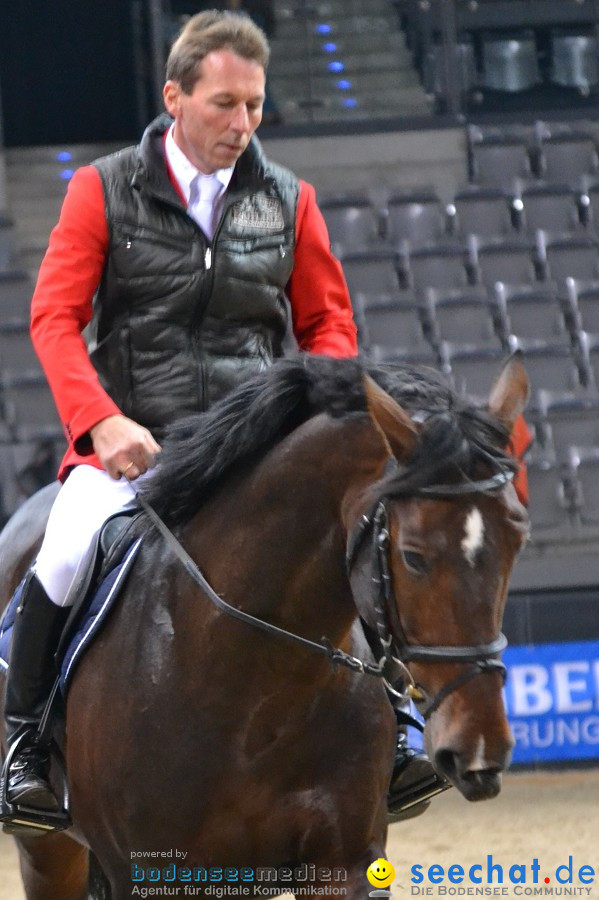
(104, 554)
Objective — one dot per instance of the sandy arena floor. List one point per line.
(547, 816)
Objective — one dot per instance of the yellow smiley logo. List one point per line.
(380, 873)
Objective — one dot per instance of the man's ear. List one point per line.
(171, 93)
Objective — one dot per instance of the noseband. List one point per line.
(390, 631)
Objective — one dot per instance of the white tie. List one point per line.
(203, 201)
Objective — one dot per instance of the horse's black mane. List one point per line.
(199, 451)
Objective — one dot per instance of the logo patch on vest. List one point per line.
(260, 212)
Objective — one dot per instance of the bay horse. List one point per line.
(314, 494)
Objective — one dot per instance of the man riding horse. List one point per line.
(179, 252)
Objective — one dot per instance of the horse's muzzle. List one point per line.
(474, 778)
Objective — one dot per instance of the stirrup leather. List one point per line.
(20, 819)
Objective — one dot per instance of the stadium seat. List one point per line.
(462, 316)
(584, 463)
(550, 366)
(393, 330)
(472, 369)
(371, 272)
(17, 356)
(552, 502)
(16, 291)
(590, 207)
(441, 266)
(561, 258)
(574, 59)
(499, 161)
(7, 242)
(484, 212)
(351, 221)
(509, 261)
(510, 60)
(6, 428)
(567, 157)
(36, 463)
(9, 498)
(414, 219)
(550, 207)
(434, 74)
(589, 345)
(363, 300)
(532, 314)
(583, 297)
(569, 419)
(30, 408)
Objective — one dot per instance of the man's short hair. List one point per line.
(214, 30)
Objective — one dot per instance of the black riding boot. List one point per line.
(414, 781)
(31, 676)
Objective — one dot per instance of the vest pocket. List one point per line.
(280, 242)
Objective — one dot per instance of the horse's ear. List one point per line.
(510, 393)
(394, 423)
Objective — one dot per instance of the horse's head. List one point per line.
(444, 527)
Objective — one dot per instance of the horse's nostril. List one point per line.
(484, 778)
(483, 784)
(445, 763)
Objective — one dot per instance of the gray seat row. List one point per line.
(412, 220)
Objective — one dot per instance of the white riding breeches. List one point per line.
(86, 499)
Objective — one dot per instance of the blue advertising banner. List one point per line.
(552, 698)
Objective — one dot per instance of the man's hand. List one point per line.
(124, 447)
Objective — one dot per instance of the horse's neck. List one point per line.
(273, 540)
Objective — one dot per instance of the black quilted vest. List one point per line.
(179, 320)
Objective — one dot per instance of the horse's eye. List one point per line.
(415, 563)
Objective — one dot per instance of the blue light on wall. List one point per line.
(329, 47)
(350, 102)
(323, 28)
(343, 84)
(67, 174)
(63, 156)
(336, 66)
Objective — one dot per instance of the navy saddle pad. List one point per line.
(90, 623)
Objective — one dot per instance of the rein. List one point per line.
(335, 655)
(395, 646)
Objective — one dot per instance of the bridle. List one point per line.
(396, 650)
(484, 658)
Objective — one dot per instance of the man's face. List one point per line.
(214, 124)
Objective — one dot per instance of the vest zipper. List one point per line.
(207, 293)
(208, 254)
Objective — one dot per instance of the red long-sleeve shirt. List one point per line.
(72, 268)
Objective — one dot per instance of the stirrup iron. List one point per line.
(420, 793)
(25, 820)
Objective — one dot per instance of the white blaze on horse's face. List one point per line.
(474, 535)
(479, 762)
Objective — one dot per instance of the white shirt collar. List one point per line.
(185, 171)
